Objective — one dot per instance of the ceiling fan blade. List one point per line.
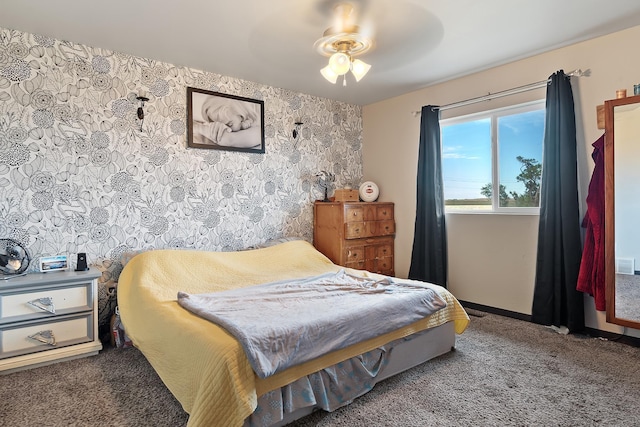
(341, 14)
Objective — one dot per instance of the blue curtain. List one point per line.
(556, 300)
(429, 255)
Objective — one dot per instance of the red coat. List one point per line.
(591, 278)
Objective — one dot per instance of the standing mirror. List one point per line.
(622, 208)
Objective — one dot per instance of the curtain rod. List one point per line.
(513, 91)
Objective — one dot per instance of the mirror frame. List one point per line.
(609, 203)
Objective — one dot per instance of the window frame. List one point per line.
(494, 115)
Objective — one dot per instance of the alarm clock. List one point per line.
(53, 263)
(369, 191)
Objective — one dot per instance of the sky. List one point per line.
(466, 152)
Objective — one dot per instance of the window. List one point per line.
(492, 161)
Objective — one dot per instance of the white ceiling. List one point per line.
(418, 43)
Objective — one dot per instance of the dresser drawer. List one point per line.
(355, 230)
(359, 230)
(384, 251)
(358, 265)
(67, 330)
(385, 228)
(380, 265)
(378, 251)
(353, 214)
(384, 213)
(354, 253)
(15, 306)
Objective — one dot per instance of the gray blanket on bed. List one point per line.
(282, 324)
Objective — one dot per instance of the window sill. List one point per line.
(480, 212)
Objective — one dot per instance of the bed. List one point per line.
(206, 368)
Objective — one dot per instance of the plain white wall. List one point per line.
(492, 257)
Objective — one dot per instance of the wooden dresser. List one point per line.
(356, 234)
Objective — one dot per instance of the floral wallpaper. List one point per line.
(77, 173)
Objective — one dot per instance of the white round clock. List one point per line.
(369, 191)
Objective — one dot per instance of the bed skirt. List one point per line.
(339, 384)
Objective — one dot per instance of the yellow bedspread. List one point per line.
(202, 365)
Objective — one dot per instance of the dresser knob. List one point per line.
(45, 337)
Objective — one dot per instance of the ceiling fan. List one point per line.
(342, 42)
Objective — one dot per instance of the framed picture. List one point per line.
(224, 122)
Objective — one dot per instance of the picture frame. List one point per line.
(220, 121)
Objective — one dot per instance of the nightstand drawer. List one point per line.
(19, 306)
(64, 331)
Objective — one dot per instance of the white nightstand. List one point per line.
(47, 318)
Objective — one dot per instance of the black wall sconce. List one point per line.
(140, 111)
(296, 130)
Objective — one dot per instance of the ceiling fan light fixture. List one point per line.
(359, 69)
(341, 43)
(340, 63)
(328, 74)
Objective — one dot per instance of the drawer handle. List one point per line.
(45, 337)
(44, 304)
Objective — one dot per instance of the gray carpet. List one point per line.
(504, 372)
(628, 296)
